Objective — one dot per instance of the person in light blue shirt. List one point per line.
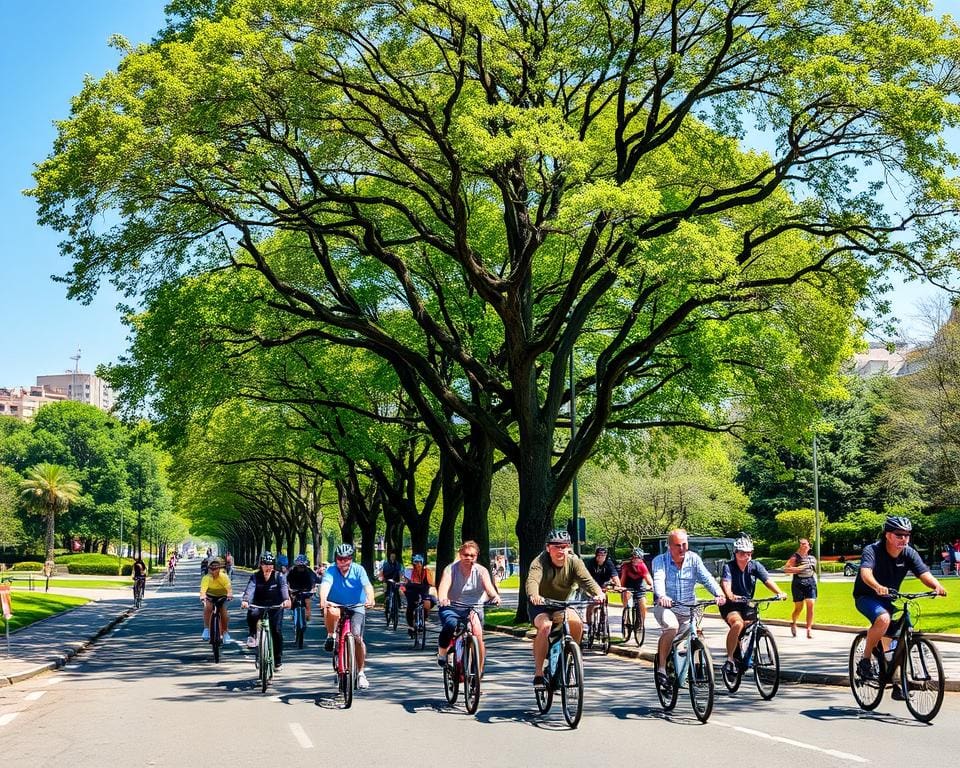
(676, 574)
(346, 584)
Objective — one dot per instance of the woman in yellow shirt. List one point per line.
(215, 583)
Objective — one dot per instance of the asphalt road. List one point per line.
(150, 694)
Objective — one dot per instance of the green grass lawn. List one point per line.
(91, 582)
(29, 607)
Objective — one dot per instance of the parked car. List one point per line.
(851, 568)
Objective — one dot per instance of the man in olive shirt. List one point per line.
(553, 576)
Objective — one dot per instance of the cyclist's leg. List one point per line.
(877, 612)
(276, 632)
(330, 619)
(253, 616)
(735, 624)
(542, 622)
(207, 613)
(224, 616)
(576, 624)
(448, 625)
(643, 606)
(477, 627)
(669, 624)
(411, 600)
(357, 623)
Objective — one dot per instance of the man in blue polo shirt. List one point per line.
(883, 566)
(347, 584)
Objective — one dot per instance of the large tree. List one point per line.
(527, 181)
(49, 489)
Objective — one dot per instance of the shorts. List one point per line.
(358, 618)
(747, 611)
(872, 606)
(535, 610)
(636, 585)
(669, 618)
(804, 589)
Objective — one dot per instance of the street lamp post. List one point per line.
(816, 506)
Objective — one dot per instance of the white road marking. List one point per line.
(34, 695)
(301, 735)
(53, 680)
(792, 742)
(7, 718)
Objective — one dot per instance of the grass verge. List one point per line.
(29, 607)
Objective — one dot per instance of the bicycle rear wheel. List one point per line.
(667, 694)
(571, 690)
(451, 685)
(732, 679)
(471, 674)
(867, 692)
(348, 666)
(700, 676)
(921, 674)
(766, 664)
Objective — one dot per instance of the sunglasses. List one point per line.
(343, 559)
(900, 535)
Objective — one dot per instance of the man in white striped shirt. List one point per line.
(675, 577)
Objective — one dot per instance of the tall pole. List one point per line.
(816, 506)
(574, 489)
(76, 370)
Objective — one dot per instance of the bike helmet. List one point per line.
(743, 544)
(896, 523)
(419, 559)
(600, 551)
(267, 558)
(637, 552)
(344, 551)
(215, 563)
(301, 560)
(558, 536)
(282, 561)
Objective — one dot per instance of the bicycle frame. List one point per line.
(692, 667)
(344, 659)
(463, 659)
(564, 670)
(264, 661)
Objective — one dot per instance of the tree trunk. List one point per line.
(536, 491)
(475, 481)
(452, 503)
(51, 522)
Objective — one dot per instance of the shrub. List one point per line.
(771, 563)
(91, 564)
(831, 566)
(783, 549)
(27, 565)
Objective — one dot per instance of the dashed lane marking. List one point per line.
(34, 695)
(7, 718)
(301, 735)
(794, 743)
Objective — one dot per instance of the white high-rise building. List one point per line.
(82, 387)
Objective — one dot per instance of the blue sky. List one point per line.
(49, 47)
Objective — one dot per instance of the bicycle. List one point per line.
(264, 657)
(563, 668)
(921, 670)
(345, 653)
(391, 603)
(419, 624)
(216, 636)
(299, 613)
(633, 623)
(693, 663)
(597, 630)
(139, 587)
(463, 661)
(171, 576)
(756, 648)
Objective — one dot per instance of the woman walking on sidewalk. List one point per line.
(803, 566)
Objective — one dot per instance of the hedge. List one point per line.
(27, 565)
(91, 564)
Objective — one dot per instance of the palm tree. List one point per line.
(50, 489)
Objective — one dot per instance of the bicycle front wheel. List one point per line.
(420, 630)
(571, 691)
(700, 676)
(867, 692)
(604, 632)
(393, 617)
(471, 674)
(300, 625)
(639, 626)
(215, 635)
(265, 660)
(626, 624)
(921, 675)
(544, 697)
(450, 683)
(668, 693)
(348, 666)
(766, 664)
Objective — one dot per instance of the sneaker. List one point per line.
(865, 670)
(663, 682)
(251, 642)
(411, 632)
(328, 644)
(227, 638)
(362, 682)
(539, 683)
(896, 693)
(441, 659)
(205, 635)
(729, 668)
(277, 667)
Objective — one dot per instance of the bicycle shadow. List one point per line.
(653, 713)
(855, 713)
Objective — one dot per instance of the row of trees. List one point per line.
(84, 471)
(426, 228)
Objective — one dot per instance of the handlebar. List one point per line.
(558, 604)
(757, 600)
(264, 607)
(352, 606)
(893, 593)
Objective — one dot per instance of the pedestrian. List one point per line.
(803, 566)
(955, 556)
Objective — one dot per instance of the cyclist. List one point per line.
(171, 569)
(633, 575)
(347, 584)
(266, 587)
(204, 566)
(139, 572)
(739, 582)
(419, 586)
(883, 566)
(283, 564)
(467, 582)
(675, 575)
(391, 570)
(603, 571)
(301, 578)
(228, 563)
(553, 575)
(216, 583)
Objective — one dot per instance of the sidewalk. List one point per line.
(821, 660)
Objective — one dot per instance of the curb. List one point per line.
(60, 659)
(790, 675)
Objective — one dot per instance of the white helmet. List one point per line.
(743, 544)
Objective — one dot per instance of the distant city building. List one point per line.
(879, 360)
(23, 402)
(82, 387)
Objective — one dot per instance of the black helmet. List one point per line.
(600, 551)
(558, 536)
(897, 523)
(267, 557)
